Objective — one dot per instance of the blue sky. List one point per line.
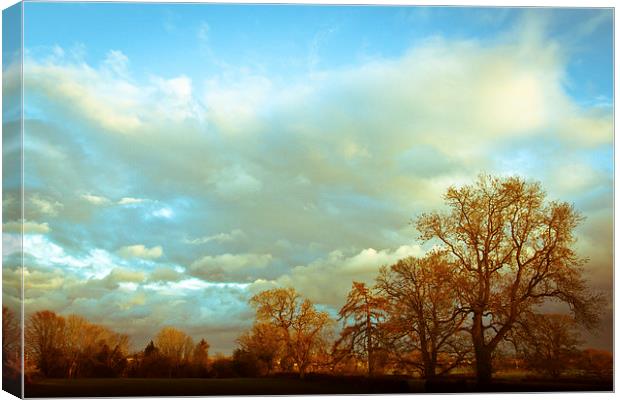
(179, 158)
(282, 39)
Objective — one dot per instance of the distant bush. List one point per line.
(223, 368)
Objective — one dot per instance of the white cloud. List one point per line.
(117, 62)
(96, 200)
(164, 212)
(29, 227)
(165, 274)
(96, 262)
(176, 100)
(130, 200)
(37, 279)
(223, 237)
(140, 251)
(105, 100)
(235, 182)
(11, 243)
(575, 177)
(44, 205)
(327, 281)
(108, 96)
(234, 103)
(125, 275)
(230, 267)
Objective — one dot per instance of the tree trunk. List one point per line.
(302, 372)
(429, 371)
(481, 350)
(369, 346)
(483, 366)
(430, 365)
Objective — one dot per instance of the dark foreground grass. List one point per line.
(282, 386)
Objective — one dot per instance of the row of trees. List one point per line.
(11, 349)
(171, 354)
(500, 252)
(549, 345)
(73, 347)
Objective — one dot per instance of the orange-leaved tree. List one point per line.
(362, 316)
(302, 327)
(424, 328)
(176, 346)
(512, 251)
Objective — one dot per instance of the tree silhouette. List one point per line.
(150, 349)
(424, 317)
(361, 315)
(597, 363)
(11, 362)
(302, 327)
(265, 341)
(200, 357)
(511, 252)
(73, 347)
(176, 346)
(45, 334)
(547, 342)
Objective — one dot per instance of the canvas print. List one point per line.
(270, 199)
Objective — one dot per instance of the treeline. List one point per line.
(290, 336)
(383, 334)
(172, 354)
(500, 254)
(72, 347)
(473, 303)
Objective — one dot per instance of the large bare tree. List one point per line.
(424, 316)
(511, 251)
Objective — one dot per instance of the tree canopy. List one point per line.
(511, 252)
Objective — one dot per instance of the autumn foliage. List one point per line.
(474, 303)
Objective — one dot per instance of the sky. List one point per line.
(180, 158)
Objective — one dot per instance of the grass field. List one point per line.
(281, 386)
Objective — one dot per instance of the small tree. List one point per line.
(45, 334)
(150, 349)
(598, 363)
(548, 342)
(302, 327)
(425, 320)
(176, 346)
(361, 315)
(10, 345)
(151, 364)
(264, 340)
(200, 357)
